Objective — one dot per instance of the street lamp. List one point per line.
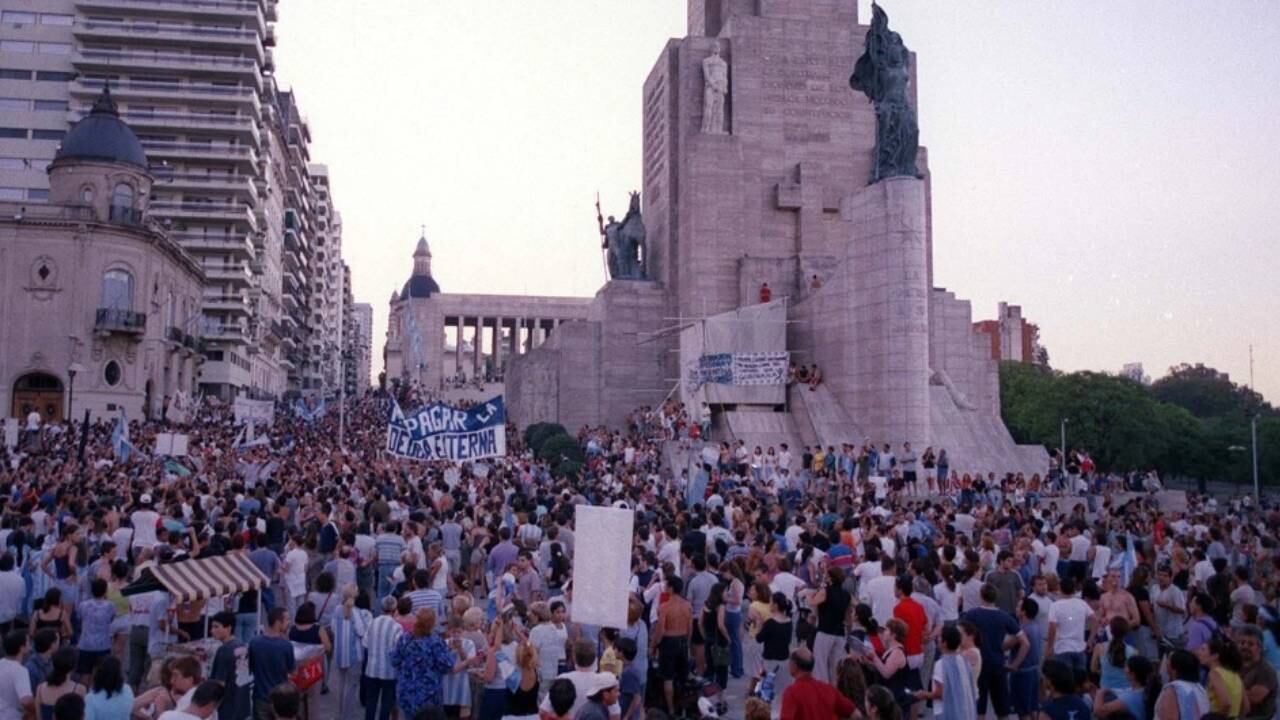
(72, 370)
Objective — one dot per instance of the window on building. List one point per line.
(48, 48)
(14, 104)
(52, 105)
(47, 135)
(8, 74)
(38, 194)
(112, 373)
(9, 193)
(16, 17)
(55, 19)
(20, 133)
(86, 194)
(54, 76)
(117, 290)
(17, 46)
(122, 196)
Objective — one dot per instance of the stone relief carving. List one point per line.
(42, 280)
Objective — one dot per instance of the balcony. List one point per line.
(200, 151)
(205, 93)
(181, 35)
(248, 11)
(232, 304)
(235, 273)
(125, 322)
(150, 61)
(238, 245)
(125, 216)
(226, 334)
(243, 127)
(241, 185)
(212, 212)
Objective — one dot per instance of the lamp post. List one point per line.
(72, 370)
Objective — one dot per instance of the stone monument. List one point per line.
(624, 242)
(784, 199)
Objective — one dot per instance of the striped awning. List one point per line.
(204, 578)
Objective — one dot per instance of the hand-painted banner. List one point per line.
(441, 432)
(754, 368)
(257, 411)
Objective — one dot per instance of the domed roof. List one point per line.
(419, 286)
(103, 136)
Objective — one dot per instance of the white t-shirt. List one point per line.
(441, 581)
(15, 684)
(295, 571)
(1079, 548)
(1069, 615)
(948, 600)
(1051, 555)
(787, 584)
(881, 596)
(144, 527)
(1101, 559)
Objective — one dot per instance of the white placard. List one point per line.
(171, 444)
(602, 565)
(451, 477)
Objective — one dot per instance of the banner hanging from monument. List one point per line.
(742, 369)
(442, 432)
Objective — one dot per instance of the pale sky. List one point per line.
(1112, 167)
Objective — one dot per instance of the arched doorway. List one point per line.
(40, 392)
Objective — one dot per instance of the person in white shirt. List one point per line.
(144, 521)
(15, 682)
(13, 589)
(881, 591)
(203, 704)
(794, 532)
(295, 572)
(1069, 625)
(1049, 556)
(785, 582)
(866, 571)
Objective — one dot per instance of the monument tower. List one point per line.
(780, 147)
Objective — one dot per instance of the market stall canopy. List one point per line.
(199, 579)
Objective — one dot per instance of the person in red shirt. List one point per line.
(765, 293)
(912, 614)
(808, 698)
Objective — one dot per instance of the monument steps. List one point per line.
(977, 441)
(761, 427)
(820, 412)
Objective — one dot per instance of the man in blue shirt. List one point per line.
(270, 660)
(997, 632)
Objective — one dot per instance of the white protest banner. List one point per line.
(602, 565)
(257, 411)
(452, 476)
(760, 368)
(171, 444)
(11, 432)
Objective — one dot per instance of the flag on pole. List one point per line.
(120, 437)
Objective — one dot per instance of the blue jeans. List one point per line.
(246, 626)
(381, 698)
(733, 623)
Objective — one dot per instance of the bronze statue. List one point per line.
(883, 74)
(624, 242)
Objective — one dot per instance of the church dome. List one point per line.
(421, 284)
(102, 136)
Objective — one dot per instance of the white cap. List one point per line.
(601, 681)
(145, 499)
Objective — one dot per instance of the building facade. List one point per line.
(361, 347)
(1011, 337)
(96, 292)
(228, 149)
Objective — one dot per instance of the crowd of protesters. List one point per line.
(866, 582)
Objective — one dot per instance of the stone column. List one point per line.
(457, 345)
(498, 352)
(514, 341)
(890, 311)
(477, 345)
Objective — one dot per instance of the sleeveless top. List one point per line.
(55, 624)
(1231, 704)
(897, 683)
(522, 702)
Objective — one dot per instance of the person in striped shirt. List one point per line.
(348, 627)
(388, 548)
(424, 596)
(380, 639)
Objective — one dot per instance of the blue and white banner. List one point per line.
(752, 368)
(306, 413)
(441, 432)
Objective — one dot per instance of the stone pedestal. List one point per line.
(890, 305)
(630, 312)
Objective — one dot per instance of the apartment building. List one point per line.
(361, 346)
(228, 148)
